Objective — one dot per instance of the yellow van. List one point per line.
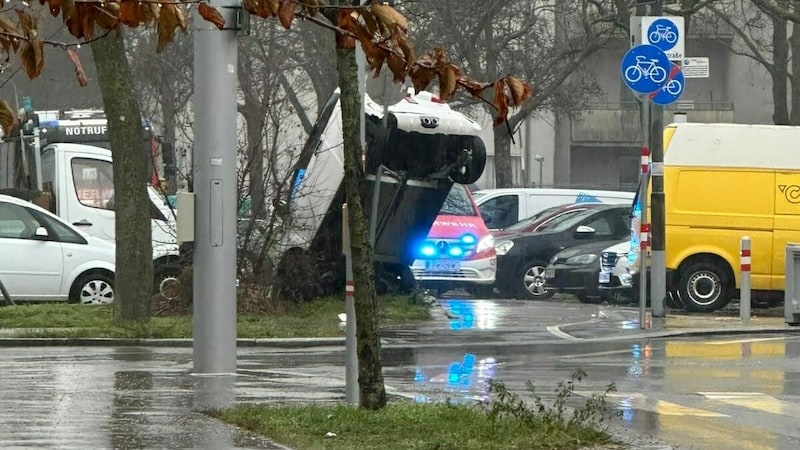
(723, 182)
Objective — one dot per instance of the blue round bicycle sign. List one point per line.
(673, 88)
(663, 33)
(645, 68)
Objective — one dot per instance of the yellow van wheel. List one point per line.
(704, 285)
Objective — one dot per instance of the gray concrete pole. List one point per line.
(214, 277)
(658, 272)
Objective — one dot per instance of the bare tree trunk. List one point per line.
(780, 58)
(794, 117)
(504, 176)
(134, 258)
(370, 371)
(254, 117)
(169, 112)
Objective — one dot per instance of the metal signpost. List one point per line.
(214, 277)
(647, 69)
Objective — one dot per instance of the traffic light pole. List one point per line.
(658, 271)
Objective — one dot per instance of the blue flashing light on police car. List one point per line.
(468, 239)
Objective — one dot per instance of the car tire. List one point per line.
(472, 170)
(530, 279)
(166, 280)
(93, 288)
(704, 286)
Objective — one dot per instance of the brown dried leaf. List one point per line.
(447, 82)
(401, 41)
(286, 13)
(7, 25)
(310, 6)
(421, 77)
(105, 19)
(397, 65)
(53, 5)
(27, 22)
(499, 102)
(211, 14)
(273, 7)
(370, 22)
(520, 91)
(251, 6)
(79, 72)
(129, 13)
(67, 9)
(475, 88)
(168, 22)
(86, 13)
(7, 118)
(32, 58)
(376, 56)
(389, 17)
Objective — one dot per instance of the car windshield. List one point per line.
(457, 203)
(525, 223)
(566, 221)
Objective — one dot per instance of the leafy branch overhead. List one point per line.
(380, 29)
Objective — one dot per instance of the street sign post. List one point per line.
(666, 33)
(645, 68)
(672, 89)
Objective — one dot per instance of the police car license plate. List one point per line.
(442, 266)
(605, 277)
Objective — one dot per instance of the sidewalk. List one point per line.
(623, 323)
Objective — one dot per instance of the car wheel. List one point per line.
(704, 286)
(94, 288)
(531, 282)
(166, 280)
(472, 168)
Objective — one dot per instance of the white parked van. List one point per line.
(501, 208)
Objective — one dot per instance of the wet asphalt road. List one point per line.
(703, 392)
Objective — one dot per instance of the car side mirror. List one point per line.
(584, 232)
(41, 234)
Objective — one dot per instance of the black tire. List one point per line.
(93, 288)
(704, 286)
(531, 279)
(472, 170)
(167, 274)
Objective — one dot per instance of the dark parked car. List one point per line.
(544, 217)
(576, 270)
(522, 258)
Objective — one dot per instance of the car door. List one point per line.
(36, 268)
(90, 195)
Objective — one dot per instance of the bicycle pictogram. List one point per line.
(674, 87)
(645, 69)
(662, 32)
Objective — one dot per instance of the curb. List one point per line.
(288, 343)
(685, 332)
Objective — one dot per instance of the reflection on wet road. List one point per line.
(706, 392)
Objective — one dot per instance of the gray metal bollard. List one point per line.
(791, 302)
(744, 297)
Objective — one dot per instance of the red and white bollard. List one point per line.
(744, 296)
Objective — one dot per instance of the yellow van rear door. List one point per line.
(787, 222)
